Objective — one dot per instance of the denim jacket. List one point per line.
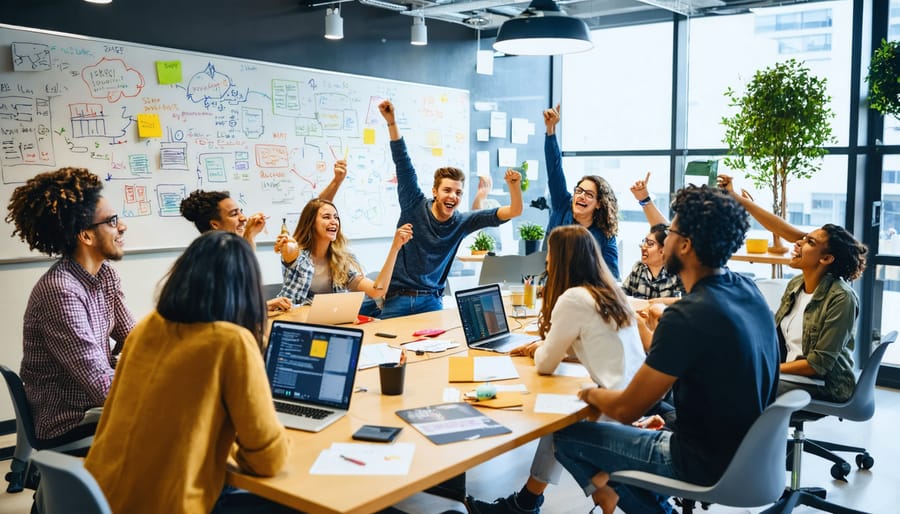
(829, 322)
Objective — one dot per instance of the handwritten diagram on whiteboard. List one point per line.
(156, 124)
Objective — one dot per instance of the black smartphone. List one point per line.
(376, 433)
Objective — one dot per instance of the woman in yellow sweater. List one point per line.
(190, 390)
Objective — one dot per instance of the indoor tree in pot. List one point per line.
(778, 133)
(482, 244)
(531, 233)
(884, 79)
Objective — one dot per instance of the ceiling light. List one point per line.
(98, 1)
(419, 33)
(334, 24)
(542, 29)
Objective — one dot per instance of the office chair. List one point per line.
(66, 486)
(859, 407)
(26, 439)
(772, 290)
(271, 290)
(509, 269)
(755, 475)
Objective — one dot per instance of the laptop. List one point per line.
(311, 369)
(335, 308)
(484, 320)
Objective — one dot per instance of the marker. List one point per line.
(355, 461)
(346, 152)
(385, 334)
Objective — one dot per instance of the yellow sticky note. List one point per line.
(437, 152)
(149, 125)
(432, 138)
(368, 136)
(168, 72)
(318, 348)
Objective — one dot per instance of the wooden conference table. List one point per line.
(426, 379)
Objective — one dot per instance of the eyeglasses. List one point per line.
(672, 230)
(590, 195)
(112, 221)
(649, 243)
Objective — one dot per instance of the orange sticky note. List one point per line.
(368, 136)
(149, 125)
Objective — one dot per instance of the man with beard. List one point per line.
(77, 307)
(722, 319)
(419, 275)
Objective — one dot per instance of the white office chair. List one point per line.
(772, 290)
(67, 487)
(755, 475)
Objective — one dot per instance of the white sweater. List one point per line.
(611, 356)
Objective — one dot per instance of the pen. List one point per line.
(402, 357)
(355, 461)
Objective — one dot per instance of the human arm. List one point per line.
(560, 197)
(123, 319)
(278, 304)
(484, 188)
(642, 195)
(513, 180)
(626, 406)
(388, 113)
(378, 287)
(297, 278)
(768, 220)
(340, 173)
(566, 325)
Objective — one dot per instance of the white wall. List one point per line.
(140, 275)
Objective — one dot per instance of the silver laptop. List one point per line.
(335, 308)
(484, 320)
(311, 369)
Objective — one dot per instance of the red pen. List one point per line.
(355, 461)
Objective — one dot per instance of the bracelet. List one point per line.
(645, 201)
(391, 123)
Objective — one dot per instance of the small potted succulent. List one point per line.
(483, 244)
(531, 233)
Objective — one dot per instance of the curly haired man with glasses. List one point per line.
(77, 307)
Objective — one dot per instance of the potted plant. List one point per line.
(884, 79)
(778, 133)
(483, 244)
(531, 233)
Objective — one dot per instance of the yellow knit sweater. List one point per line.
(182, 395)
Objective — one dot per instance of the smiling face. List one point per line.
(811, 251)
(231, 217)
(447, 196)
(110, 233)
(585, 200)
(651, 251)
(327, 223)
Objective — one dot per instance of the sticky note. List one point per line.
(318, 348)
(149, 125)
(437, 152)
(368, 136)
(168, 72)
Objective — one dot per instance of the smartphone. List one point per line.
(376, 433)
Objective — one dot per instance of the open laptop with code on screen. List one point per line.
(311, 369)
(483, 320)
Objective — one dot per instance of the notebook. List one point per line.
(335, 308)
(484, 320)
(311, 369)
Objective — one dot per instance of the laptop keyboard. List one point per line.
(300, 410)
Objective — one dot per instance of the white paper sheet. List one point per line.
(557, 403)
(533, 167)
(483, 163)
(430, 345)
(571, 369)
(494, 368)
(372, 355)
(483, 135)
(506, 158)
(484, 62)
(498, 124)
(375, 459)
(519, 131)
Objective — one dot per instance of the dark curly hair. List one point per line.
(714, 222)
(52, 208)
(606, 218)
(849, 254)
(202, 206)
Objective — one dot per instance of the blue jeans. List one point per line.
(400, 305)
(586, 448)
(238, 501)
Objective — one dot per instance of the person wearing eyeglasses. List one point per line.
(649, 279)
(77, 307)
(592, 204)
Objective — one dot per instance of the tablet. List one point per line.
(376, 433)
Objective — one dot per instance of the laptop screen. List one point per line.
(481, 313)
(312, 363)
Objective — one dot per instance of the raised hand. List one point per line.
(340, 170)
(639, 188)
(551, 118)
(255, 224)
(403, 234)
(513, 178)
(387, 111)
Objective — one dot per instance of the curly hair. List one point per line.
(201, 207)
(715, 223)
(52, 208)
(340, 260)
(849, 254)
(448, 172)
(574, 260)
(606, 217)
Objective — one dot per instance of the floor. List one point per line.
(874, 491)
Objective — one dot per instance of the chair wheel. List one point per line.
(865, 461)
(840, 471)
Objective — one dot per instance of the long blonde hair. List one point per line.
(574, 260)
(340, 261)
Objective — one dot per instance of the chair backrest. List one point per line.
(772, 290)
(861, 404)
(25, 435)
(755, 475)
(66, 486)
(509, 269)
(271, 290)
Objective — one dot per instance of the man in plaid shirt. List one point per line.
(77, 307)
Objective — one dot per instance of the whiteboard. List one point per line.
(157, 123)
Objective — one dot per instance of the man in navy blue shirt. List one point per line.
(417, 285)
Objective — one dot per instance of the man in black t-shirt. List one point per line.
(716, 348)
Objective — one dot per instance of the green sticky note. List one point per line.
(168, 72)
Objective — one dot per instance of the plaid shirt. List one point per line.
(67, 363)
(298, 277)
(640, 283)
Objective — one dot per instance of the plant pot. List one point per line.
(479, 252)
(777, 246)
(531, 246)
